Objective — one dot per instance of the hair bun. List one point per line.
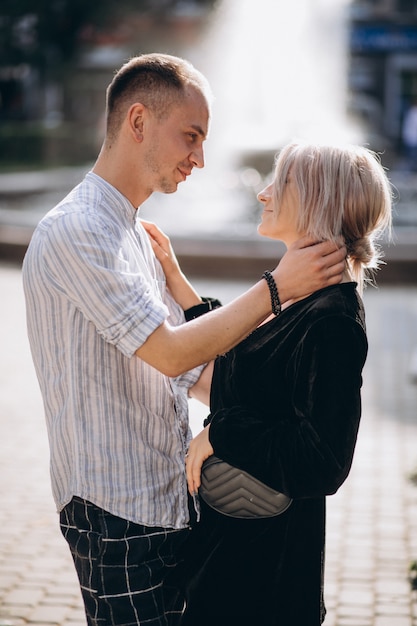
(364, 252)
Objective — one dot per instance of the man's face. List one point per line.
(175, 144)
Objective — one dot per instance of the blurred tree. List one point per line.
(45, 34)
(43, 85)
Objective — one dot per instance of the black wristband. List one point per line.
(208, 304)
(207, 421)
(273, 290)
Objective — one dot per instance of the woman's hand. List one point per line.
(200, 449)
(162, 248)
(181, 289)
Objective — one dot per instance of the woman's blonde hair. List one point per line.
(344, 193)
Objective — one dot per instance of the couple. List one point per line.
(116, 362)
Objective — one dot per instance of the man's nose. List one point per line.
(197, 157)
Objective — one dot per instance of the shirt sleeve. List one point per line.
(308, 451)
(87, 261)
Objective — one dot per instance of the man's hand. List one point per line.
(308, 266)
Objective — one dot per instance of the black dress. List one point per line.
(285, 406)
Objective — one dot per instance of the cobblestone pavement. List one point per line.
(372, 520)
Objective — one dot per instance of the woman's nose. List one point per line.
(264, 194)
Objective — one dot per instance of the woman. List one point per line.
(285, 403)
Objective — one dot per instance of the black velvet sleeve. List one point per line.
(307, 451)
(208, 304)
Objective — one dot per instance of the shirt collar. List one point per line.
(116, 200)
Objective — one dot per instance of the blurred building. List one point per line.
(383, 67)
(59, 116)
(52, 103)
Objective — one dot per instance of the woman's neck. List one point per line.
(346, 278)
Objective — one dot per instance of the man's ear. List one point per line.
(135, 118)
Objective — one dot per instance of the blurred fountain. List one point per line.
(278, 71)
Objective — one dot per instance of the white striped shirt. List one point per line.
(118, 428)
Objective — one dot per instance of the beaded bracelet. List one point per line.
(273, 290)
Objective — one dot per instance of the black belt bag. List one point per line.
(234, 492)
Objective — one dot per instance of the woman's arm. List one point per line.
(181, 289)
(201, 390)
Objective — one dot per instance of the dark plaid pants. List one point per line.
(121, 567)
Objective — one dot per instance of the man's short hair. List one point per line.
(158, 81)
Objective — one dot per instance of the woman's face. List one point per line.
(280, 222)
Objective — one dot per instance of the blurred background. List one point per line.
(309, 69)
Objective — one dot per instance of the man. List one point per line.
(112, 354)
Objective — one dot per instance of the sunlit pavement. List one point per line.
(372, 520)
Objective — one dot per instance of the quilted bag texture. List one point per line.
(236, 493)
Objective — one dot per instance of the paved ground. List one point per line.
(372, 520)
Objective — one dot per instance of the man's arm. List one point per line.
(303, 269)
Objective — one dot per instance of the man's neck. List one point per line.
(117, 172)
